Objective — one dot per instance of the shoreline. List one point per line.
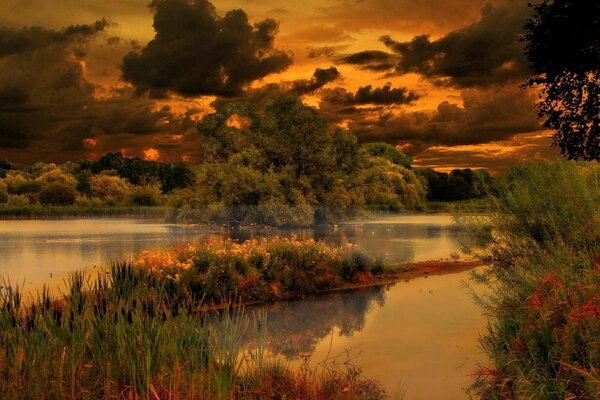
(402, 272)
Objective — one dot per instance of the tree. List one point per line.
(562, 43)
(389, 152)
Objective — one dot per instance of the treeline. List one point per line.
(112, 180)
(459, 184)
(277, 164)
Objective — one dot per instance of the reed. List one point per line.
(128, 335)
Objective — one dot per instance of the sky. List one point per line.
(438, 79)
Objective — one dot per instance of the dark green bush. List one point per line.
(57, 194)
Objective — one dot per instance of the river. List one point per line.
(420, 336)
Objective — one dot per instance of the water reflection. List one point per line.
(395, 238)
(422, 335)
(298, 326)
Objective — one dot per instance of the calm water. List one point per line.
(32, 250)
(421, 335)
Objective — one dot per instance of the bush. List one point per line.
(148, 195)
(111, 189)
(543, 303)
(18, 200)
(57, 194)
(3, 193)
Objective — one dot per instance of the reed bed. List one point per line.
(128, 334)
(36, 211)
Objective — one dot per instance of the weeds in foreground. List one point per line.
(543, 247)
(128, 335)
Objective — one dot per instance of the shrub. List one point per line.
(18, 200)
(148, 195)
(3, 193)
(111, 189)
(57, 194)
(543, 303)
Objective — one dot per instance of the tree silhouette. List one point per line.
(562, 43)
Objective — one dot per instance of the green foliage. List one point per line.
(127, 334)
(141, 172)
(3, 193)
(110, 189)
(389, 152)
(148, 195)
(283, 167)
(57, 194)
(460, 184)
(542, 247)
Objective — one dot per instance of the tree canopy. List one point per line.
(562, 43)
(279, 162)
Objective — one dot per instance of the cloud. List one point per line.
(403, 15)
(14, 41)
(485, 53)
(48, 108)
(498, 156)
(486, 115)
(385, 95)
(196, 52)
(320, 78)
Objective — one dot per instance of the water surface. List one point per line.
(421, 335)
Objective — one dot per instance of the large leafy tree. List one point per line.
(562, 42)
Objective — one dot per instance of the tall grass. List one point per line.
(261, 269)
(542, 242)
(37, 211)
(129, 335)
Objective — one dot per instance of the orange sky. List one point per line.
(465, 109)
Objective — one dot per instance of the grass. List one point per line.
(129, 335)
(542, 242)
(262, 269)
(37, 211)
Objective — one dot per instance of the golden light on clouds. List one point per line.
(151, 154)
(460, 62)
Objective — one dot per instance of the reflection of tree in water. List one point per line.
(297, 326)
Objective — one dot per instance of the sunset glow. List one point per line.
(401, 72)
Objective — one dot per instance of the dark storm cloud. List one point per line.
(485, 53)
(486, 116)
(385, 95)
(48, 107)
(196, 52)
(320, 78)
(373, 60)
(14, 41)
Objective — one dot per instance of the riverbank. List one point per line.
(402, 272)
(37, 211)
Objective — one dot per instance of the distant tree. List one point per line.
(111, 189)
(57, 194)
(142, 172)
(4, 166)
(3, 192)
(389, 152)
(562, 43)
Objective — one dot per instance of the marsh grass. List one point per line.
(542, 243)
(38, 211)
(128, 335)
